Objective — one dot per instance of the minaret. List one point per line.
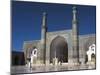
(75, 36)
(43, 36)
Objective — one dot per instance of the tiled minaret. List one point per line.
(43, 37)
(75, 36)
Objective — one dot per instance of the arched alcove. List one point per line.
(59, 49)
(90, 41)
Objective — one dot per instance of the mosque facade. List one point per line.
(67, 46)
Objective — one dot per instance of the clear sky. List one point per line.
(27, 20)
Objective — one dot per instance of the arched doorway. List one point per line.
(93, 57)
(59, 49)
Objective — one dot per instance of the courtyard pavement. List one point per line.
(39, 69)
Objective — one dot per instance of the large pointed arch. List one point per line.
(59, 49)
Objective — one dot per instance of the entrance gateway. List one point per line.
(59, 49)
